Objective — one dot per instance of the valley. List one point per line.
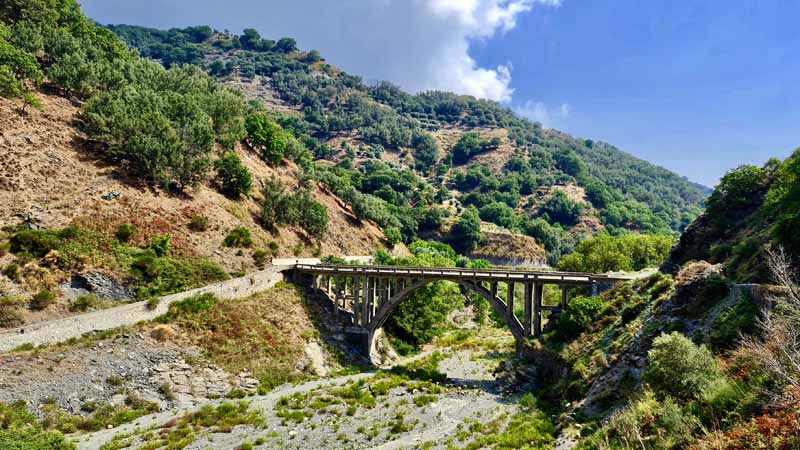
(221, 240)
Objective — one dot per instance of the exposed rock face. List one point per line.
(314, 360)
(98, 284)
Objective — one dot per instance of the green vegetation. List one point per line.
(21, 430)
(421, 317)
(42, 299)
(232, 176)
(292, 208)
(470, 144)
(578, 315)
(152, 270)
(125, 232)
(198, 223)
(678, 368)
(630, 193)
(238, 237)
(185, 430)
(629, 252)
(100, 416)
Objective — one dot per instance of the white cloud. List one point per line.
(418, 44)
(539, 112)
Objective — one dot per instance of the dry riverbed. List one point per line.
(445, 398)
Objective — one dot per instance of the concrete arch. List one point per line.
(497, 303)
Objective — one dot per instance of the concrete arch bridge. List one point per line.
(364, 296)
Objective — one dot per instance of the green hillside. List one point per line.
(624, 192)
(751, 210)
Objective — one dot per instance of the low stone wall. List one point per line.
(62, 329)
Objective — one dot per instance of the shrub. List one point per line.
(160, 245)
(604, 253)
(579, 313)
(83, 303)
(679, 368)
(9, 317)
(238, 237)
(198, 223)
(192, 305)
(42, 299)
(12, 272)
(260, 258)
(233, 177)
(152, 303)
(732, 322)
(125, 232)
(646, 424)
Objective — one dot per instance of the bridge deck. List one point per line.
(458, 273)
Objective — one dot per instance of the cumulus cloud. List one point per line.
(539, 112)
(418, 44)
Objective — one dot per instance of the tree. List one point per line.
(560, 208)
(286, 45)
(466, 233)
(268, 137)
(606, 253)
(250, 39)
(233, 177)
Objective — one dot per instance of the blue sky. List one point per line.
(698, 87)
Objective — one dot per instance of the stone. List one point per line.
(111, 195)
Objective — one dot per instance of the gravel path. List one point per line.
(70, 327)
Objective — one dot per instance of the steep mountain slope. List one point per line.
(752, 209)
(346, 122)
(50, 178)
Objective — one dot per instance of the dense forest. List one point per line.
(625, 193)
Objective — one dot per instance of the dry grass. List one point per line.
(264, 334)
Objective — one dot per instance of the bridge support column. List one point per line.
(510, 299)
(528, 306)
(564, 297)
(537, 310)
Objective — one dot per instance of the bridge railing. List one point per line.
(456, 272)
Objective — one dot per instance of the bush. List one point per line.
(192, 305)
(9, 317)
(260, 258)
(42, 299)
(679, 368)
(160, 245)
(238, 237)
(232, 176)
(21, 430)
(579, 313)
(198, 223)
(83, 303)
(12, 272)
(466, 233)
(732, 323)
(562, 209)
(125, 232)
(646, 424)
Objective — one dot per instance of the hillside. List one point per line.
(51, 178)
(752, 209)
(476, 151)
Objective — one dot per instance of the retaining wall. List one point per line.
(60, 330)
